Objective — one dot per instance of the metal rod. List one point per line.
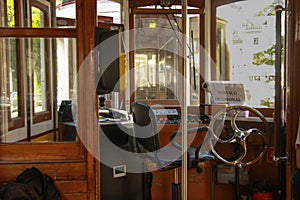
(237, 183)
(176, 180)
(278, 121)
(184, 102)
(278, 85)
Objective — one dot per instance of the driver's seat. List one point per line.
(167, 157)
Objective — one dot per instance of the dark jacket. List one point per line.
(30, 185)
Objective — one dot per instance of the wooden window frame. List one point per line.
(47, 114)
(19, 33)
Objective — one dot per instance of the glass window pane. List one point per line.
(66, 69)
(194, 50)
(109, 11)
(4, 93)
(10, 13)
(9, 76)
(39, 63)
(13, 77)
(27, 86)
(66, 13)
(38, 13)
(245, 48)
(38, 18)
(156, 58)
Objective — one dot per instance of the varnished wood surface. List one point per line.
(41, 152)
(70, 160)
(199, 184)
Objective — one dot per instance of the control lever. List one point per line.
(279, 159)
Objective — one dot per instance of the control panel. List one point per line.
(167, 116)
(171, 116)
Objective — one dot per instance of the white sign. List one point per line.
(224, 92)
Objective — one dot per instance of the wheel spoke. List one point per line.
(240, 136)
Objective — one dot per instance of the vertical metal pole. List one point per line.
(176, 186)
(278, 86)
(184, 102)
(278, 121)
(237, 184)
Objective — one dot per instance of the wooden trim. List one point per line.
(59, 171)
(42, 7)
(166, 103)
(131, 58)
(109, 25)
(213, 26)
(20, 121)
(292, 89)
(42, 152)
(39, 32)
(87, 99)
(222, 2)
(202, 58)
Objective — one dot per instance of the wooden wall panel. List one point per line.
(57, 171)
(41, 152)
(199, 184)
(74, 197)
(65, 163)
(71, 186)
(70, 178)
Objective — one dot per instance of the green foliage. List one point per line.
(266, 102)
(265, 57)
(270, 9)
(10, 13)
(36, 17)
(37, 64)
(36, 23)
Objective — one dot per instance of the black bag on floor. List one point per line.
(42, 184)
(31, 184)
(18, 191)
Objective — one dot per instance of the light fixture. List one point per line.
(152, 25)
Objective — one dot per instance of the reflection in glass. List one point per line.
(38, 12)
(13, 75)
(66, 8)
(10, 13)
(155, 65)
(26, 87)
(39, 63)
(109, 11)
(194, 59)
(157, 57)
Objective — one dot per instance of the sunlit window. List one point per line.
(158, 57)
(36, 74)
(246, 48)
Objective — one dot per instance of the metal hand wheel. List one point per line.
(239, 136)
